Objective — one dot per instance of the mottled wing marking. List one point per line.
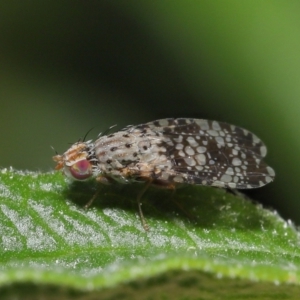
(208, 153)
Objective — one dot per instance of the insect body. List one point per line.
(169, 152)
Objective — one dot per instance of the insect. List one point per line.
(169, 152)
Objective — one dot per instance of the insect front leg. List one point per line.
(103, 180)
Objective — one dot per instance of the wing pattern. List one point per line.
(209, 153)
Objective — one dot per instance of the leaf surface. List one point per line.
(201, 239)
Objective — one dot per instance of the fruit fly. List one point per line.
(169, 152)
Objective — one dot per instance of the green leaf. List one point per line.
(202, 241)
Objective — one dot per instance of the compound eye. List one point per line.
(81, 170)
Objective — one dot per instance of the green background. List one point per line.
(67, 66)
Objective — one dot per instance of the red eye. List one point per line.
(81, 170)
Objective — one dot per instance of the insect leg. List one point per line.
(92, 199)
(172, 187)
(141, 193)
(103, 180)
(190, 216)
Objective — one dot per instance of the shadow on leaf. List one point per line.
(196, 206)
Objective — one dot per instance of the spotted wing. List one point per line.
(211, 153)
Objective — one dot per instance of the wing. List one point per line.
(210, 153)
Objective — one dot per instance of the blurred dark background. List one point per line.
(67, 66)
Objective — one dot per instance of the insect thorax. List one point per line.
(132, 154)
